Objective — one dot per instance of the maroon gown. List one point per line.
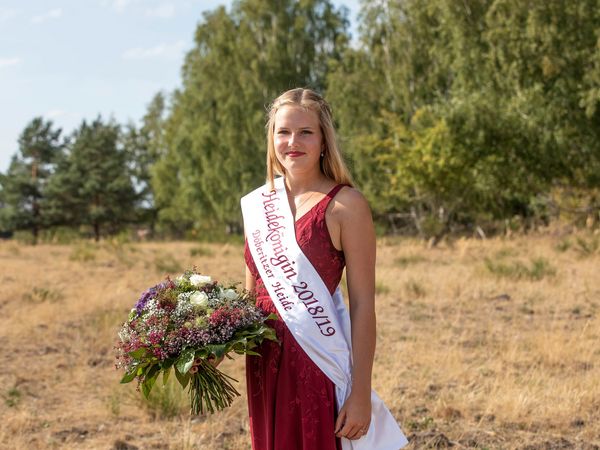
(291, 402)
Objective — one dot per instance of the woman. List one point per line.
(292, 402)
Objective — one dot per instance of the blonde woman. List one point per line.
(302, 229)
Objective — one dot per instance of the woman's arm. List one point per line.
(250, 281)
(357, 236)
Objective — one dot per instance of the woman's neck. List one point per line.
(297, 184)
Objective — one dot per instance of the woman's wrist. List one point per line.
(361, 390)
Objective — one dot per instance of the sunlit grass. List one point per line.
(483, 343)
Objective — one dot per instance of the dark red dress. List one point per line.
(291, 402)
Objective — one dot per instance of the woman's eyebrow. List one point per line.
(283, 127)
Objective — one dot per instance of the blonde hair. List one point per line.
(332, 163)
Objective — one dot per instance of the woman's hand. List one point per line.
(355, 416)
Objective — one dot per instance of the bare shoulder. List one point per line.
(350, 204)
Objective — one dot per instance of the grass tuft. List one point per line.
(42, 294)
(415, 289)
(563, 246)
(405, 261)
(381, 288)
(83, 252)
(167, 263)
(12, 397)
(201, 251)
(538, 269)
(166, 401)
(587, 247)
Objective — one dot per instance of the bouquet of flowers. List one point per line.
(184, 325)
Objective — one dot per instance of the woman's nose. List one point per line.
(293, 139)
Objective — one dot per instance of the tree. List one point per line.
(92, 184)
(215, 132)
(476, 109)
(144, 146)
(23, 185)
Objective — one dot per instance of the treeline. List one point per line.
(452, 116)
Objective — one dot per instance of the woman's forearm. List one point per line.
(363, 346)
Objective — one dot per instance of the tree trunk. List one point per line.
(35, 232)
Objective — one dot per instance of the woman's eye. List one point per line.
(282, 132)
(306, 132)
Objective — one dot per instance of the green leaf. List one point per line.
(218, 349)
(150, 379)
(153, 371)
(139, 353)
(141, 370)
(146, 388)
(167, 363)
(185, 360)
(128, 377)
(183, 379)
(166, 373)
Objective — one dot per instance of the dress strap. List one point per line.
(329, 196)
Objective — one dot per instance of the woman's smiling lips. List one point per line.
(294, 154)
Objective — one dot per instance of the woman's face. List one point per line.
(298, 139)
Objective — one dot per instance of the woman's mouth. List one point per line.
(294, 154)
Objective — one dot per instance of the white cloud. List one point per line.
(53, 14)
(7, 14)
(164, 11)
(119, 5)
(54, 113)
(6, 62)
(168, 51)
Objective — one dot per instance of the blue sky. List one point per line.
(69, 60)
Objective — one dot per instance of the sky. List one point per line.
(70, 60)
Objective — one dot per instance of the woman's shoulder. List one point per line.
(350, 203)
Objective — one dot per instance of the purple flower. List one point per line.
(149, 294)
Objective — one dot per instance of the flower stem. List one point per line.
(210, 389)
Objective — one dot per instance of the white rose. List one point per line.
(200, 280)
(229, 294)
(199, 298)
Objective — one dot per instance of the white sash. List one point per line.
(319, 322)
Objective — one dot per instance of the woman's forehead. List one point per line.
(296, 117)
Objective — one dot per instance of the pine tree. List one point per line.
(92, 185)
(23, 185)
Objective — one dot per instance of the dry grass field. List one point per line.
(481, 344)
